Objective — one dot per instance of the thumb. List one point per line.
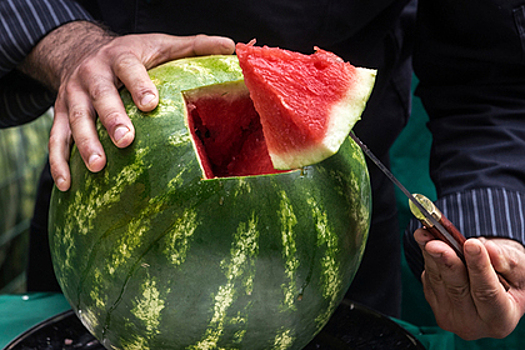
(484, 282)
(161, 48)
(212, 45)
(197, 45)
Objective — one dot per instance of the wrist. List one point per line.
(60, 51)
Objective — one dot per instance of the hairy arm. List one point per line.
(61, 50)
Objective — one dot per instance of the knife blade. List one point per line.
(426, 212)
(426, 216)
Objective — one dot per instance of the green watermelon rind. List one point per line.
(263, 260)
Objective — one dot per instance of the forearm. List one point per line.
(23, 23)
(63, 48)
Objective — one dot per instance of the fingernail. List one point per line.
(120, 132)
(92, 159)
(435, 255)
(59, 181)
(472, 249)
(146, 99)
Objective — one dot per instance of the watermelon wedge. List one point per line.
(307, 103)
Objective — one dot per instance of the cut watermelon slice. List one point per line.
(307, 103)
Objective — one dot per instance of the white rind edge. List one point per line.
(345, 114)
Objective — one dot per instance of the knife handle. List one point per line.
(458, 236)
(452, 236)
(452, 230)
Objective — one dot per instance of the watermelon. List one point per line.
(308, 103)
(190, 239)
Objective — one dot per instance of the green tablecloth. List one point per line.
(19, 313)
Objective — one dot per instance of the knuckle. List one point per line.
(433, 277)
(77, 116)
(485, 294)
(87, 68)
(125, 61)
(84, 146)
(200, 37)
(110, 119)
(54, 141)
(513, 259)
(458, 293)
(70, 88)
(100, 89)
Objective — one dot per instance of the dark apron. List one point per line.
(366, 33)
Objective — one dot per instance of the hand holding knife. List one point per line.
(426, 212)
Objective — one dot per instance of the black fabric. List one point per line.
(457, 41)
(478, 136)
(472, 81)
(14, 110)
(40, 274)
(296, 24)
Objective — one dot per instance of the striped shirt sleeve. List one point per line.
(488, 212)
(22, 24)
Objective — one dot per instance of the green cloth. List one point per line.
(434, 338)
(18, 313)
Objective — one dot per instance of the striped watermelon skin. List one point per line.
(152, 256)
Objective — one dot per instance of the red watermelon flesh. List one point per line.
(291, 110)
(227, 131)
(308, 103)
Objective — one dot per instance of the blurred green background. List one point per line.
(23, 152)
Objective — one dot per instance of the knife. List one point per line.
(426, 212)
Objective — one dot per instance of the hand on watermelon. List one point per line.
(87, 66)
(471, 302)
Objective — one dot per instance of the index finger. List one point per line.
(131, 67)
(485, 286)
(454, 284)
(134, 75)
(109, 107)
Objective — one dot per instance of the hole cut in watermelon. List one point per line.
(227, 131)
(290, 111)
